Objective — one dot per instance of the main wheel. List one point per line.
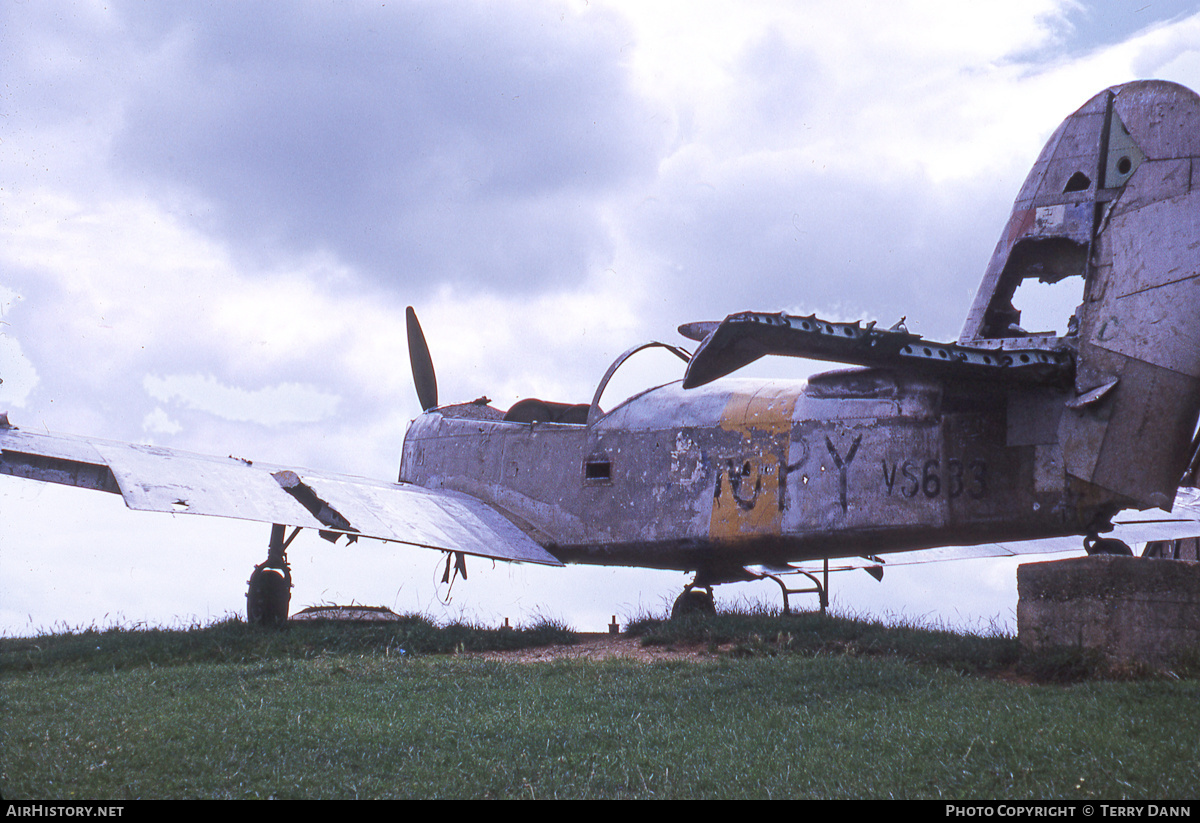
(1107, 545)
(268, 596)
(693, 601)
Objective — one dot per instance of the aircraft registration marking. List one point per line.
(928, 478)
(748, 493)
(843, 465)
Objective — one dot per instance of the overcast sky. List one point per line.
(213, 215)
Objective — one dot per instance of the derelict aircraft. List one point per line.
(1007, 435)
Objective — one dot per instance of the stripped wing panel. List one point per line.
(150, 478)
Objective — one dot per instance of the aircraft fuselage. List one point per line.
(743, 472)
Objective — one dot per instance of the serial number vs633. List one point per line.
(933, 478)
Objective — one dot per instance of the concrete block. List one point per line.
(1132, 609)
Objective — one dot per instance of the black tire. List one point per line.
(1107, 545)
(693, 602)
(268, 597)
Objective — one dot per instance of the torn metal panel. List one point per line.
(876, 394)
(743, 338)
(290, 482)
(872, 397)
(439, 520)
(1116, 157)
(1146, 442)
(1048, 475)
(1093, 396)
(57, 470)
(1081, 431)
(1111, 201)
(1051, 225)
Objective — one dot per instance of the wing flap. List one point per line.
(433, 518)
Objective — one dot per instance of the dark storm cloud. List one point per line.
(376, 133)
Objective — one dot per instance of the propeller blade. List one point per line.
(422, 363)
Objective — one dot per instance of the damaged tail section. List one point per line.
(1112, 206)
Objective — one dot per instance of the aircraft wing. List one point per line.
(1132, 527)
(150, 478)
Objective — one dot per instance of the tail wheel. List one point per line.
(268, 596)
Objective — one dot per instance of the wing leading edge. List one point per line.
(150, 478)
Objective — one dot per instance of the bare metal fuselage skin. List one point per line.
(743, 472)
(892, 457)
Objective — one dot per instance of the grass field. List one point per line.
(779, 707)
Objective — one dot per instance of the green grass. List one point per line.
(765, 632)
(233, 641)
(824, 708)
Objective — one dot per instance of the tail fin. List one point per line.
(1114, 200)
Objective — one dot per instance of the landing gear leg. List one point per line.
(694, 600)
(270, 585)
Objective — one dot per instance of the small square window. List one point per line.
(597, 471)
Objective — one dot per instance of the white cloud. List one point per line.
(159, 422)
(17, 374)
(269, 406)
